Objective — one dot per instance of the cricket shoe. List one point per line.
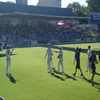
(92, 84)
(74, 74)
(86, 70)
(7, 74)
(81, 75)
(49, 72)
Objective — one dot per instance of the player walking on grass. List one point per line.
(60, 56)
(8, 60)
(77, 59)
(49, 59)
(89, 55)
(92, 63)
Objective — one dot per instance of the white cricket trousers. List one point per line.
(60, 62)
(8, 66)
(88, 65)
(49, 64)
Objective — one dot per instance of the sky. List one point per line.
(64, 2)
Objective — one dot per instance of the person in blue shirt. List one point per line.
(77, 59)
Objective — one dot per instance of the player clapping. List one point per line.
(8, 53)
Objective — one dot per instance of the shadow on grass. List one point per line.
(96, 85)
(64, 74)
(67, 76)
(11, 79)
(97, 73)
(53, 74)
(4, 55)
(71, 49)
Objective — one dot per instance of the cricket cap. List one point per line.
(60, 47)
(48, 44)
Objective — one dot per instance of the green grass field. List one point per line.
(30, 79)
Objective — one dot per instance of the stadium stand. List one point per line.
(25, 32)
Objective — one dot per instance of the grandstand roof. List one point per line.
(17, 9)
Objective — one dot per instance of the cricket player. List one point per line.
(77, 59)
(92, 60)
(49, 60)
(89, 55)
(8, 60)
(60, 56)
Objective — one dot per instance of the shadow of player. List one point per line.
(12, 79)
(64, 74)
(96, 85)
(97, 73)
(4, 55)
(90, 81)
(53, 74)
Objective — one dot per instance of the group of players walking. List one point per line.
(90, 64)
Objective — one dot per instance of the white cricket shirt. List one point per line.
(7, 54)
(61, 53)
(49, 52)
(89, 53)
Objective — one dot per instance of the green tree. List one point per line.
(75, 6)
(94, 5)
(78, 9)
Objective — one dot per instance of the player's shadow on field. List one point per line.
(96, 85)
(11, 78)
(97, 73)
(4, 55)
(53, 74)
(67, 76)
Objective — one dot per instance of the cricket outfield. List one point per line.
(30, 79)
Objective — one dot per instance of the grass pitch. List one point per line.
(30, 80)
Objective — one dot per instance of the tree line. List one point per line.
(81, 10)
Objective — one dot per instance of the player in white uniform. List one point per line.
(89, 55)
(8, 60)
(49, 60)
(60, 56)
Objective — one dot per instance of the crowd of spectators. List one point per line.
(24, 32)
